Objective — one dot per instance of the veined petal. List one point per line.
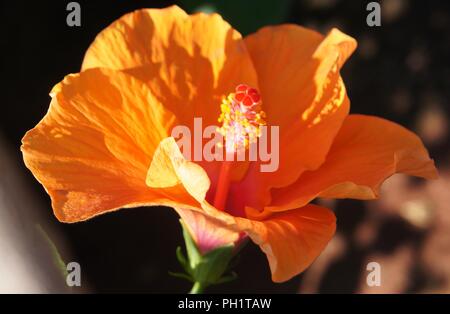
(293, 65)
(169, 169)
(292, 240)
(92, 150)
(366, 151)
(207, 231)
(189, 61)
(302, 93)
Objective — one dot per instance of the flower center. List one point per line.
(241, 117)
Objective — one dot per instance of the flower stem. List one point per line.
(197, 288)
(223, 185)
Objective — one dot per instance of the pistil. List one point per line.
(241, 117)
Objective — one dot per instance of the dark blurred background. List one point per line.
(400, 71)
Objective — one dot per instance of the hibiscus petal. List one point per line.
(366, 151)
(303, 94)
(169, 168)
(292, 240)
(208, 232)
(189, 61)
(294, 67)
(92, 150)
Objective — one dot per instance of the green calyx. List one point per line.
(204, 270)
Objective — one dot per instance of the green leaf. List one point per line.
(57, 259)
(242, 14)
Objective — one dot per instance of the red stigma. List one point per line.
(247, 95)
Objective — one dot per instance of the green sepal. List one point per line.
(181, 275)
(213, 265)
(207, 269)
(183, 261)
(193, 253)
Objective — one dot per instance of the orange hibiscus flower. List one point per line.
(106, 142)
